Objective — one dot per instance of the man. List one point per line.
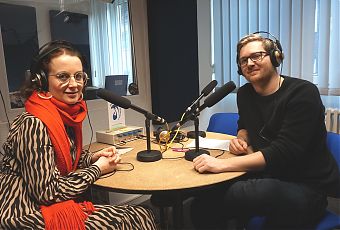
(281, 142)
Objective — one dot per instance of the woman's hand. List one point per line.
(106, 159)
(107, 164)
(106, 152)
(238, 146)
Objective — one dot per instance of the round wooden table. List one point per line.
(166, 176)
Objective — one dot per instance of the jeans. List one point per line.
(286, 205)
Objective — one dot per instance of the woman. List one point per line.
(44, 168)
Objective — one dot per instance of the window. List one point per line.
(308, 31)
(19, 43)
(110, 41)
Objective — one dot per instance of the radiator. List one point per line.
(332, 119)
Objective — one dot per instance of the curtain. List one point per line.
(110, 40)
(308, 31)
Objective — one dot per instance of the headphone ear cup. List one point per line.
(279, 56)
(274, 54)
(43, 81)
(36, 79)
(276, 57)
(239, 71)
(164, 136)
(39, 79)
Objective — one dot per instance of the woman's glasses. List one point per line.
(255, 57)
(64, 77)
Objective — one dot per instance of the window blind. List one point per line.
(308, 31)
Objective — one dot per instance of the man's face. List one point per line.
(255, 62)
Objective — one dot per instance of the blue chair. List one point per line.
(223, 123)
(330, 220)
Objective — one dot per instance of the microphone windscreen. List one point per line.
(219, 94)
(209, 88)
(113, 98)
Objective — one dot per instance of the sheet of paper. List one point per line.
(210, 144)
(122, 150)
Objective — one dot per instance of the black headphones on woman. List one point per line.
(36, 73)
(276, 54)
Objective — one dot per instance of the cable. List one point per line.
(8, 123)
(119, 170)
(172, 158)
(88, 117)
(220, 154)
(168, 145)
(3, 103)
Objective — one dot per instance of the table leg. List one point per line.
(169, 199)
(177, 211)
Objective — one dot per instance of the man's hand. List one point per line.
(238, 146)
(205, 163)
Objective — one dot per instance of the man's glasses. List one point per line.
(255, 57)
(64, 77)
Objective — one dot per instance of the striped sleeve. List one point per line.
(43, 179)
(85, 159)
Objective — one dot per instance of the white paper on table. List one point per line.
(122, 150)
(210, 144)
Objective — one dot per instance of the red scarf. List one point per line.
(55, 114)
(67, 215)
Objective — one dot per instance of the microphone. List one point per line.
(209, 101)
(125, 103)
(204, 93)
(218, 95)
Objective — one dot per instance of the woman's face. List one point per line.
(68, 91)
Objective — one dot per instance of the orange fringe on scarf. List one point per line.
(67, 215)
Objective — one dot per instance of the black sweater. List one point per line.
(288, 128)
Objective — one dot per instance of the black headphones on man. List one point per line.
(276, 54)
(36, 73)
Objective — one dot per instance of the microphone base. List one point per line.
(149, 155)
(192, 135)
(192, 153)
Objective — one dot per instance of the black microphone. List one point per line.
(125, 103)
(217, 95)
(209, 101)
(204, 93)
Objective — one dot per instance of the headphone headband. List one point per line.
(276, 41)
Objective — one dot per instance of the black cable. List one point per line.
(119, 170)
(220, 154)
(8, 123)
(88, 117)
(3, 102)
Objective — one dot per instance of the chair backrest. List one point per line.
(333, 143)
(223, 123)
